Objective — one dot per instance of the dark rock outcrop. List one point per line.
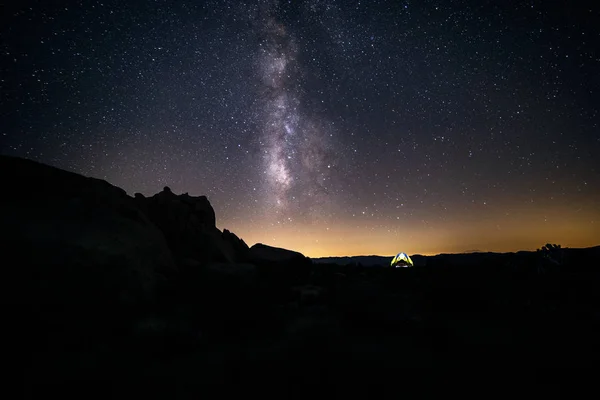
(240, 247)
(80, 264)
(264, 254)
(276, 264)
(189, 225)
(55, 221)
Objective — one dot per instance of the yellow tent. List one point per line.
(401, 260)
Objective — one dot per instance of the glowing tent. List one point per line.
(401, 260)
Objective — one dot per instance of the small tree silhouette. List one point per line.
(550, 255)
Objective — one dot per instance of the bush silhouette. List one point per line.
(549, 255)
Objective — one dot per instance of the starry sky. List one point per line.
(328, 127)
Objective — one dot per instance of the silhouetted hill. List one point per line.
(103, 288)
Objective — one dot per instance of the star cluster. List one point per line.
(325, 126)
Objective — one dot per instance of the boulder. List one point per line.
(286, 267)
(263, 254)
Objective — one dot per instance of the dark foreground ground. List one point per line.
(309, 324)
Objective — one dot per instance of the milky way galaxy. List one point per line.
(294, 147)
(277, 53)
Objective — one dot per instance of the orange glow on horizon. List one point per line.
(465, 233)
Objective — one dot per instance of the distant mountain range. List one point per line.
(420, 260)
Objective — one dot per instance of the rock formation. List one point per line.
(262, 253)
(63, 227)
(189, 226)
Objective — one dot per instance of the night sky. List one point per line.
(328, 127)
